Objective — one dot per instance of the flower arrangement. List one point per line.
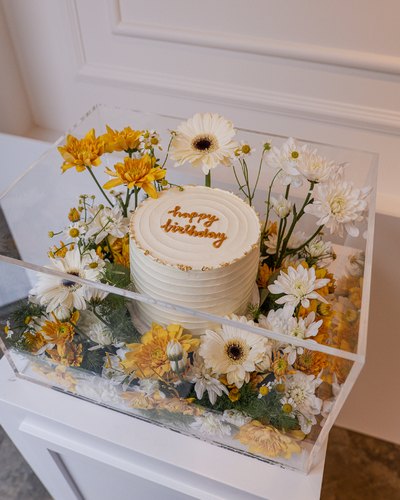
(271, 396)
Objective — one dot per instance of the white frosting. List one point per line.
(189, 270)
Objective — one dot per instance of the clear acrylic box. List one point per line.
(327, 366)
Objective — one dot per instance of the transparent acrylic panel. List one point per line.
(234, 389)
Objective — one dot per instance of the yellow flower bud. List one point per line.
(101, 206)
(80, 209)
(51, 234)
(6, 330)
(264, 390)
(164, 182)
(27, 320)
(267, 146)
(74, 215)
(93, 265)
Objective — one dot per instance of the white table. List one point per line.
(83, 451)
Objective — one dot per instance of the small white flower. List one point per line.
(299, 287)
(338, 205)
(75, 231)
(98, 389)
(236, 418)
(301, 389)
(180, 366)
(211, 425)
(100, 335)
(106, 221)
(243, 150)
(282, 207)
(285, 161)
(318, 248)
(205, 380)
(150, 139)
(150, 386)
(9, 332)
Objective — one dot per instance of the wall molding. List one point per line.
(337, 113)
(366, 61)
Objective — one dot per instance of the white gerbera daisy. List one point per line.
(338, 205)
(204, 140)
(233, 352)
(54, 291)
(106, 221)
(285, 160)
(299, 287)
(205, 380)
(301, 389)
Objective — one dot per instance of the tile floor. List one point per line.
(357, 467)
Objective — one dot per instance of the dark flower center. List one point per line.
(69, 283)
(235, 352)
(202, 144)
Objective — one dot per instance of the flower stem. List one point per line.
(96, 181)
(208, 179)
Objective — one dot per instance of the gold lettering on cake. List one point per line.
(191, 229)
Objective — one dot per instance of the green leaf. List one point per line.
(264, 292)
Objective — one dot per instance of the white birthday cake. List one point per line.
(197, 248)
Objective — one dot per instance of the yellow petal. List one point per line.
(150, 190)
(112, 183)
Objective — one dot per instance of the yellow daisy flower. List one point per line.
(82, 153)
(151, 355)
(140, 173)
(126, 140)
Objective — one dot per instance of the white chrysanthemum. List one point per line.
(106, 221)
(299, 287)
(236, 418)
(233, 352)
(285, 160)
(315, 168)
(98, 389)
(276, 321)
(319, 248)
(54, 291)
(338, 205)
(282, 207)
(204, 140)
(295, 241)
(357, 264)
(205, 380)
(212, 425)
(301, 328)
(301, 388)
(292, 260)
(100, 335)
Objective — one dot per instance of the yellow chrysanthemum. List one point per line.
(120, 251)
(67, 354)
(341, 367)
(140, 173)
(125, 140)
(82, 153)
(264, 275)
(175, 405)
(59, 375)
(59, 333)
(269, 441)
(280, 366)
(138, 400)
(151, 355)
(311, 362)
(35, 341)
